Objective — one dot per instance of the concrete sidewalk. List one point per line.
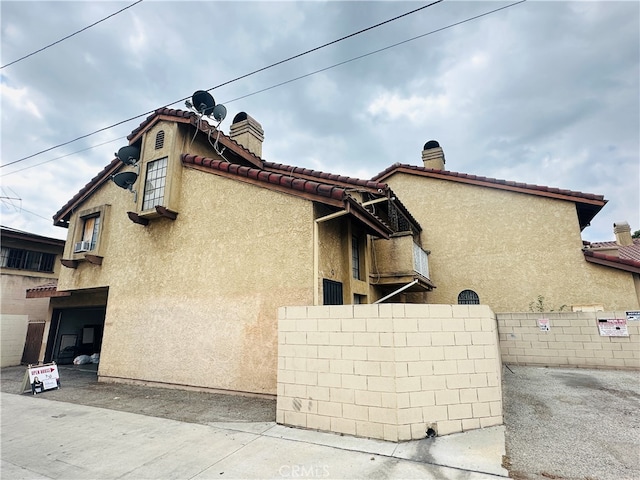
(43, 439)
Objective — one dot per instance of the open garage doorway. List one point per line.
(74, 332)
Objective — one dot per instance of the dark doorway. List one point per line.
(73, 332)
(33, 343)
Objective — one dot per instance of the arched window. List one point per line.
(468, 297)
(160, 140)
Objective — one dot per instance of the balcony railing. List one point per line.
(420, 261)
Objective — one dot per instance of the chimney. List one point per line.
(247, 132)
(623, 233)
(433, 156)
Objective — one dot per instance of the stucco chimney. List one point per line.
(623, 233)
(247, 132)
(433, 156)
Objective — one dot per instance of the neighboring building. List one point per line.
(623, 254)
(26, 261)
(178, 281)
(506, 244)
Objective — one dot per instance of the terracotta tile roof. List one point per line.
(60, 217)
(329, 194)
(588, 204)
(49, 289)
(327, 177)
(269, 178)
(628, 252)
(350, 183)
(600, 258)
(456, 176)
(183, 116)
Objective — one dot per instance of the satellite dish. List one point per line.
(128, 155)
(125, 179)
(203, 102)
(219, 112)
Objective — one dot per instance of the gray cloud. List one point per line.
(544, 92)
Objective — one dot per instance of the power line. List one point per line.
(264, 89)
(63, 156)
(231, 81)
(372, 52)
(69, 36)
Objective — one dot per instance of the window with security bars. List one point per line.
(331, 292)
(355, 256)
(27, 259)
(155, 182)
(468, 297)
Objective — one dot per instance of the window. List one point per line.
(331, 292)
(359, 299)
(27, 259)
(355, 256)
(160, 140)
(154, 183)
(468, 297)
(88, 231)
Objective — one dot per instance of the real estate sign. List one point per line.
(43, 377)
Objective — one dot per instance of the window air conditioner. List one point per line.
(82, 247)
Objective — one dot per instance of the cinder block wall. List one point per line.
(572, 341)
(389, 371)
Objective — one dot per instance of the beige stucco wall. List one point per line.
(573, 340)
(13, 331)
(389, 371)
(194, 301)
(507, 247)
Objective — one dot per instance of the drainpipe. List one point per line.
(401, 289)
(316, 252)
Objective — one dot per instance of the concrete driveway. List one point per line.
(572, 423)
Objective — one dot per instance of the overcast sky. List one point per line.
(541, 92)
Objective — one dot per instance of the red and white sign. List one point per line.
(544, 325)
(613, 327)
(44, 377)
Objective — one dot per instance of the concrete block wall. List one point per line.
(572, 341)
(389, 371)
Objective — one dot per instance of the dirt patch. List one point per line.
(79, 384)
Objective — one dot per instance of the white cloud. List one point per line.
(20, 99)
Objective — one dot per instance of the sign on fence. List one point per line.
(613, 327)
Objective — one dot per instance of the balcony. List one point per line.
(399, 261)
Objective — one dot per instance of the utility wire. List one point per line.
(230, 81)
(63, 156)
(373, 52)
(267, 88)
(69, 36)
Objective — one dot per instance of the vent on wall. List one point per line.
(160, 140)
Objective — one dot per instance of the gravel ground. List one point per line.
(79, 384)
(572, 423)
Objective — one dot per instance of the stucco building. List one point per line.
(181, 276)
(27, 261)
(506, 244)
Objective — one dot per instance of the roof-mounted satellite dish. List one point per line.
(128, 155)
(219, 112)
(125, 179)
(203, 102)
